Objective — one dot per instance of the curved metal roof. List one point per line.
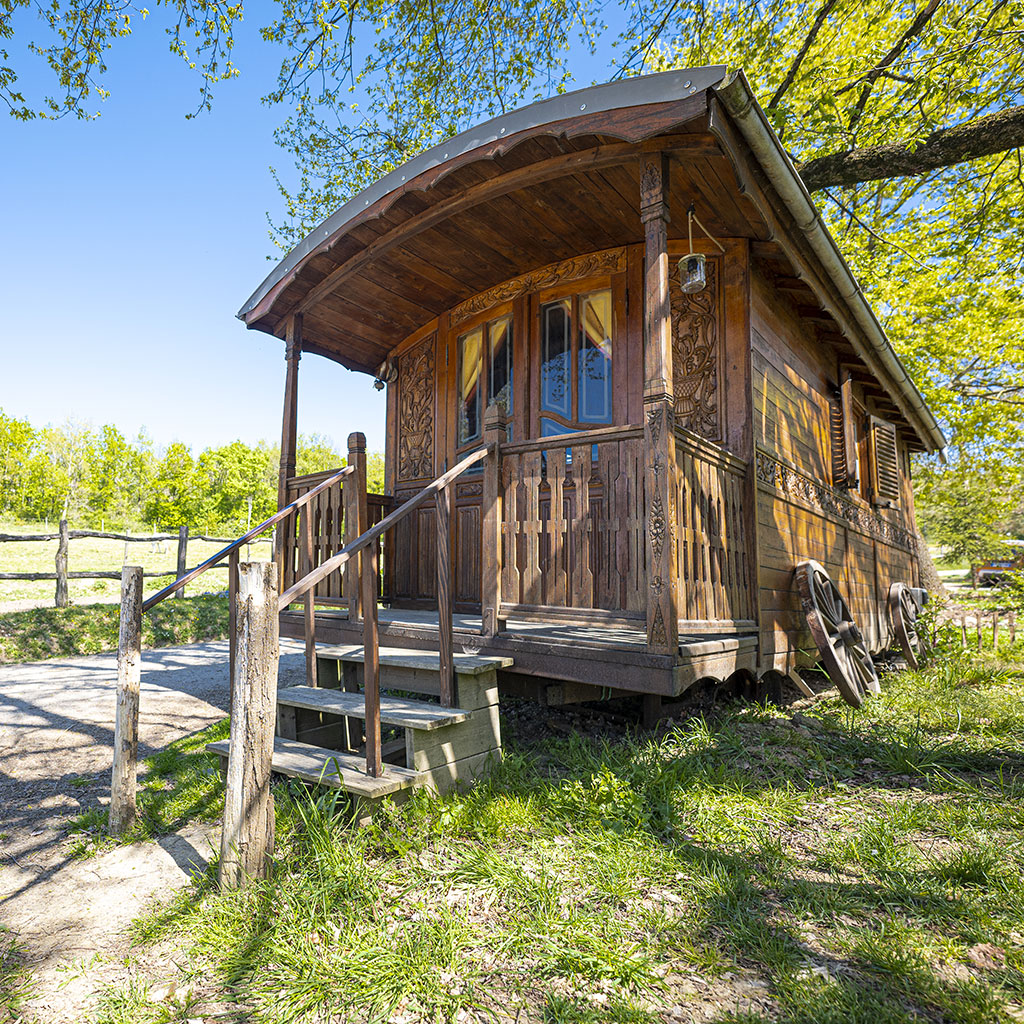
(629, 92)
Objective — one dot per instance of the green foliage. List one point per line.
(100, 478)
(91, 628)
(963, 509)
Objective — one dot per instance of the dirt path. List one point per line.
(56, 733)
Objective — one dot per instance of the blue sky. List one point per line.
(128, 243)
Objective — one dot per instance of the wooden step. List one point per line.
(416, 661)
(332, 768)
(407, 714)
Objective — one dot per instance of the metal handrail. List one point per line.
(273, 520)
(336, 561)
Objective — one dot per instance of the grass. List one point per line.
(90, 629)
(830, 866)
(89, 553)
(15, 978)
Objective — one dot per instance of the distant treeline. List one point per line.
(99, 477)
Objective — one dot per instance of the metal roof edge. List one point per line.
(739, 100)
(628, 92)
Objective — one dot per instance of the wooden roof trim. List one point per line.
(631, 109)
(547, 170)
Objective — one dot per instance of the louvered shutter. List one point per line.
(885, 462)
(851, 463)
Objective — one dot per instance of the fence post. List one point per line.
(182, 562)
(1013, 626)
(490, 576)
(61, 595)
(963, 630)
(126, 723)
(977, 626)
(353, 488)
(248, 837)
(995, 630)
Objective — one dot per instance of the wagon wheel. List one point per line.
(844, 655)
(903, 614)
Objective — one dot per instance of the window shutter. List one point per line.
(885, 461)
(852, 476)
(837, 441)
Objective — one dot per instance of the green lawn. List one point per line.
(746, 864)
(90, 629)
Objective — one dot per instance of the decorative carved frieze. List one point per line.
(613, 261)
(416, 411)
(696, 334)
(819, 497)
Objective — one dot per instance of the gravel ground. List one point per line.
(56, 735)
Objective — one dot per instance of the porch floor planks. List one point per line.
(597, 637)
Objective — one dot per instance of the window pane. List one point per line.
(595, 359)
(469, 382)
(555, 395)
(499, 341)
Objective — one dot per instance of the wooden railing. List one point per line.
(716, 578)
(365, 546)
(572, 523)
(330, 531)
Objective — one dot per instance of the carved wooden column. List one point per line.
(495, 433)
(289, 433)
(659, 413)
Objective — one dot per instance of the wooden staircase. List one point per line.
(321, 730)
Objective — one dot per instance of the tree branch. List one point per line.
(819, 20)
(982, 136)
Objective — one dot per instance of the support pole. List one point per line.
(446, 664)
(309, 610)
(182, 557)
(356, 520)
(61, 595)
(289, 434)
(232, 619)
(659, 413)
(248, 837)
(371, 664)
(495, 425)
(126, 722)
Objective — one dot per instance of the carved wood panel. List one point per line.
(696, 353)
(416, 412)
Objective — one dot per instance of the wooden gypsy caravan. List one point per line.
(642, 430)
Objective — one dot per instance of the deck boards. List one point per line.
(407, 714)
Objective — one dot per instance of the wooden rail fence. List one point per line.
(63, 536)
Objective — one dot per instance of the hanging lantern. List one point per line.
(693, 273)
(692, 267)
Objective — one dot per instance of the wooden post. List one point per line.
(1013, 626)
(182, 557)
(232, 619)
(995, 630)
(126, 723)
(61, 595)
(309, 613)
(356, 520)
(289, 431)
(495, 433)
(446, 664)
(659, 413)
(248, 837)
(371, 663)
(977, 626)
(963, 631)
